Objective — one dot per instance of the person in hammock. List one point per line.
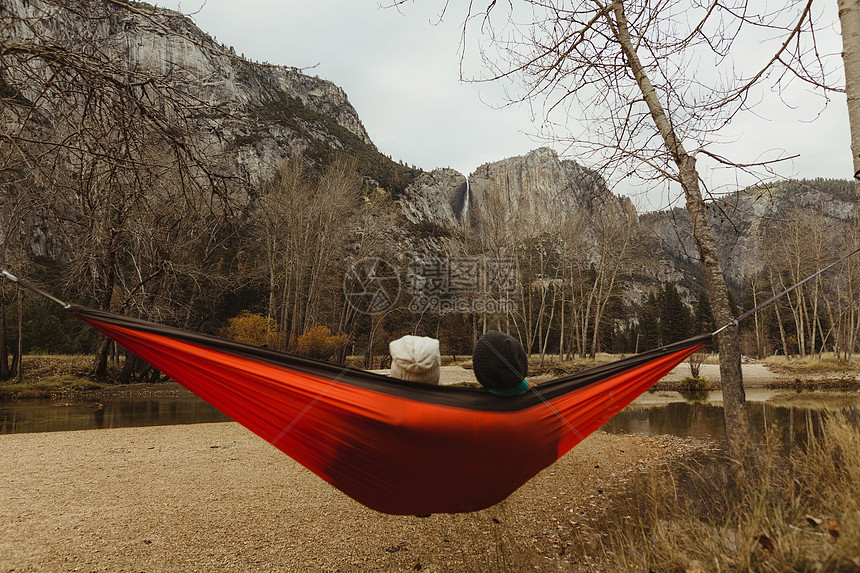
(416, 359)
(500, 364)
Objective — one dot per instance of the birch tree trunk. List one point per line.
(737, 423)
(849, 18)
(20, 352)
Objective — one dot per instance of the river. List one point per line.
(652, 413)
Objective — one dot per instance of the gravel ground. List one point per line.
(755, 375)
(214, 497)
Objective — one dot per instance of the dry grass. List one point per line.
(37, 366)
(827, 363)
(712, 359)
(46, 375)
(463, 360)
(782, 512)
(553, 366)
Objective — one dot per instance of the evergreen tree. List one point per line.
(703, 319)
(649, 324)
(674, 315)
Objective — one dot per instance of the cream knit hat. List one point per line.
(415, 358)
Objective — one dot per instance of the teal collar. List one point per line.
(524, 385)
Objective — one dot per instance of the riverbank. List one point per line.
(214, 497)
(56, 377)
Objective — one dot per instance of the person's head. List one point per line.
(416, 359)
(500, 364)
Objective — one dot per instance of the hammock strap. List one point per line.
(775, 297)
(6, 274)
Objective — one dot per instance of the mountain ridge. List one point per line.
(259, 114)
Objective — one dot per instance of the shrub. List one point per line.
(252, 328)
(693, 384)
(696, 360)
(694, 389)
(319, 342)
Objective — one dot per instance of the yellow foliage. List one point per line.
(252, 328)
(319, 342)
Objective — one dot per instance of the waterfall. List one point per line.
(466, 199)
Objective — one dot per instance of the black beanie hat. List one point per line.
(500, 363)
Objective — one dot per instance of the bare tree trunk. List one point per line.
(4, 355)
(549, 323)
(754, 286)
(815, 320)
(731, 378)
(20, 353)
(561, 339)
(778, 317)
(799, 323)
(849, 18)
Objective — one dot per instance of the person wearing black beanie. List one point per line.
(500, 364)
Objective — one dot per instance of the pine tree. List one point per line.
(703, 319)
(674, 315)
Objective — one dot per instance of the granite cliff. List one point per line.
(743, 220)
(257, 113)
(254, 115)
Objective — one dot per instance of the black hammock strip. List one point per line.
(453, 396)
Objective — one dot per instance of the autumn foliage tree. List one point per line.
(252, 328)
(320, 343)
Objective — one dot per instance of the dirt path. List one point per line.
(755, 375)
(214, 497)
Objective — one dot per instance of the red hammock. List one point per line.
(397, 447)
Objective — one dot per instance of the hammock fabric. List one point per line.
(396, 447)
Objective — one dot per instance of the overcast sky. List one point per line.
(401, 73)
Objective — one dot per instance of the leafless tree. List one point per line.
(306, 226)
(849, 18)
(114, 152)
(15, 207)
(633, 73)
(755, 286)
(793, 249)
(616, 241)
(843, 305)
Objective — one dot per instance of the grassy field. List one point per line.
(826, 363)
(50, 375)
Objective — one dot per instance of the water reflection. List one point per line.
(652, 413)
(785, 414)
(24, 416)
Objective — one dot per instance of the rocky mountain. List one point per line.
(746, 220)
(538, 189)
(257, 113)
(254, 115)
